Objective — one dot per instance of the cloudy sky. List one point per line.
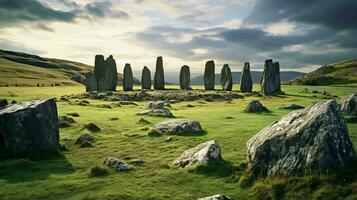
(300, 34)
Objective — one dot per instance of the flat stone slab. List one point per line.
(179, 126)
(163, 112)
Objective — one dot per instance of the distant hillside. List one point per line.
(256, 76)
(337, 73)
(29, 70)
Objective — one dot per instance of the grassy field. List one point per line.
(68, 177)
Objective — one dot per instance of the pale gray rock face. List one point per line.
(116, 164)
(91, 82)
(246, 83)
(159, 79)
(209, 75)
(29, 126)
(206, 154)
(128, 79)
(146, 79)
(162, 112)
(255, 106)
(349, 105)
(216, 197)
(226, 78)
(314, 139)
(271, 78)
(156, 104)
(185, 78)
(179, 126)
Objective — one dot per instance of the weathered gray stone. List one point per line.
(314, 139)
(255, 106)
(185, 77)
(216, 197)
(226, 78)
(162, 112)
(277, 83)
(109, 78)
(91, 82)
(146, 79)
(115, 163)
(29, 126)
(159, 79)
(205, 153)
(246, 83)
(349, 105)
(99, 67)
(156, 104)
(128, 80)
(209, 76)
(271, 78)
(85, 138)
(179, 126)
(65, 121)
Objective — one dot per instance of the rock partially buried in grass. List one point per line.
(314, 139)
(163, 112)
(255, 106)
(156, 104)
(85, 138)
(179, 126)
(292, 107)
(64, 121)
(206, 153)
(216, 197)
(92, 127)
(116, 164)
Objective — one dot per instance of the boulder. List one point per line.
(85, 138)
(291, 107)
(163, 112)
(146, 79)
(255, 106)
(226, 78)
(349, 105)
(91, 127)
(209, 76)
(128, 79)
(314, 139)
(159, 79)
(116, 164)
(216, 197)
(29, 126)
(271, 78)
(179, 126)
(206, 154)
(3, 103)
(156, 104)
(246, 83)
(64, 121)
(185, 78)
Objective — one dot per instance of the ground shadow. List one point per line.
(218, 169)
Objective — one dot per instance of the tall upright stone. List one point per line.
(246, 83)
(128, 79)
(270, 83)
(113, 73)
(209, 76)
(99, 66)
(185, 77)
(159, 79)
(91, 82)
(226, 78)
(146, 79)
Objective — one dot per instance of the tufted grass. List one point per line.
(66, 177)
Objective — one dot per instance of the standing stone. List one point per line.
(146, 79)
(270, 82)
(314, 139)
(246, 84)
(99, 66)
(29, 126)
(113, 73)
(226, 78)
(185, 77)
(159, 79)
(127, 78)
(91, 82)
(105, 76)
(209, 76)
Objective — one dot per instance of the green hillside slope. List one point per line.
(344, 72)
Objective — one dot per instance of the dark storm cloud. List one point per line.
(103, 9)
(330, 13)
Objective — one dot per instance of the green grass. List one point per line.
(68, 177)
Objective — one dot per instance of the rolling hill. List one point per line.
(256, 76)
(344, 72)
(29, 70)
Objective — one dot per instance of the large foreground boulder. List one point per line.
(209, 76)
(159, 79)
(128, 80)
(314, 139)
(349, 105)
(29, 126)
(226, 78)
(246, 83)
(185, 78)
(206, 153)
(146, 79)
(179, 126)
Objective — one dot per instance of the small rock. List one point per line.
(156, 104)
(206, 153)
(84, 138)
(190, 106)
(255, 106)
(216, 197)
(164, 112)
(115, 163)
(137, 161)
(92, 127)
(179, 126)
(292, 107)
(114, 119)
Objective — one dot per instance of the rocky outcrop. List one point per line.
(128, 79)
(209, 75)
(226, 78)
(116, 164)
(146, 79)
(255, 106)
(179, 126)
(29, 126)
(314, 139)
(159, 79)
(105, 76)
(185, 78)
(216, 197)
(270, 82)
(206, 154)
(349, 105)
(246, 83)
